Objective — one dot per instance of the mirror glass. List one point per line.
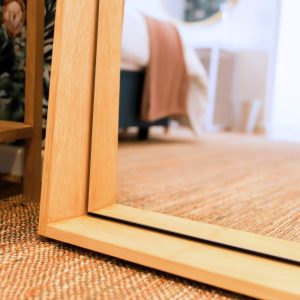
(195, 138)
(194, 10)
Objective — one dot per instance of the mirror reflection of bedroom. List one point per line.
(209, 117)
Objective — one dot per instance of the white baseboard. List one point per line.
(11, 160)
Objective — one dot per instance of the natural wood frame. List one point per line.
(31, 129)
(80, 173)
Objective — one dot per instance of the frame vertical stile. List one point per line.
(102, 189)
(66, 165)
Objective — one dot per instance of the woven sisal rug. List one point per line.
(240, 183)
(35, 268)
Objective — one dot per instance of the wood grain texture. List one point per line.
(242, 273)
(11, 131)
(65, 194)
(89, 276)
(33, 98)
(66, 166)
(236, 238)
(106, 106)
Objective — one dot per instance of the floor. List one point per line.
(249, 184)
(236, 181)
(32, 267)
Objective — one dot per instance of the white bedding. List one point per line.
(136, 56)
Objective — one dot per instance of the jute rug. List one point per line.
(35, 268)
(241, 182)
(198, 176)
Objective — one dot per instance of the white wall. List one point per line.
(176, 8)
(285, 119)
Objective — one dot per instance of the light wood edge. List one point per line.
(104, 143)
(238, 272)
(66, 163)
(236, 238)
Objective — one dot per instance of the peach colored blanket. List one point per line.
(167, 82)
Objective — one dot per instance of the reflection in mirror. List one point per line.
(195, 10)
(194, 135)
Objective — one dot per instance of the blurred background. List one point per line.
(250, 55)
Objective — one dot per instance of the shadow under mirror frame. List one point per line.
(79, 176)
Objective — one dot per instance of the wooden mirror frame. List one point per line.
(78, 204)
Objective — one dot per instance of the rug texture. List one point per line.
(243, 183)
(32, 267)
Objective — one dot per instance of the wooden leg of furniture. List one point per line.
(143, 134)
(33, 97)
(32, 169)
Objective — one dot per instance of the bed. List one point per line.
(131, 90)
(134, 61)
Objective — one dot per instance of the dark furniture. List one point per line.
(132, 83)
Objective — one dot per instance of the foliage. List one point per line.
(12, 71)
(12, 64)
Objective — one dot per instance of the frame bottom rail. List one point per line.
(224, 268)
